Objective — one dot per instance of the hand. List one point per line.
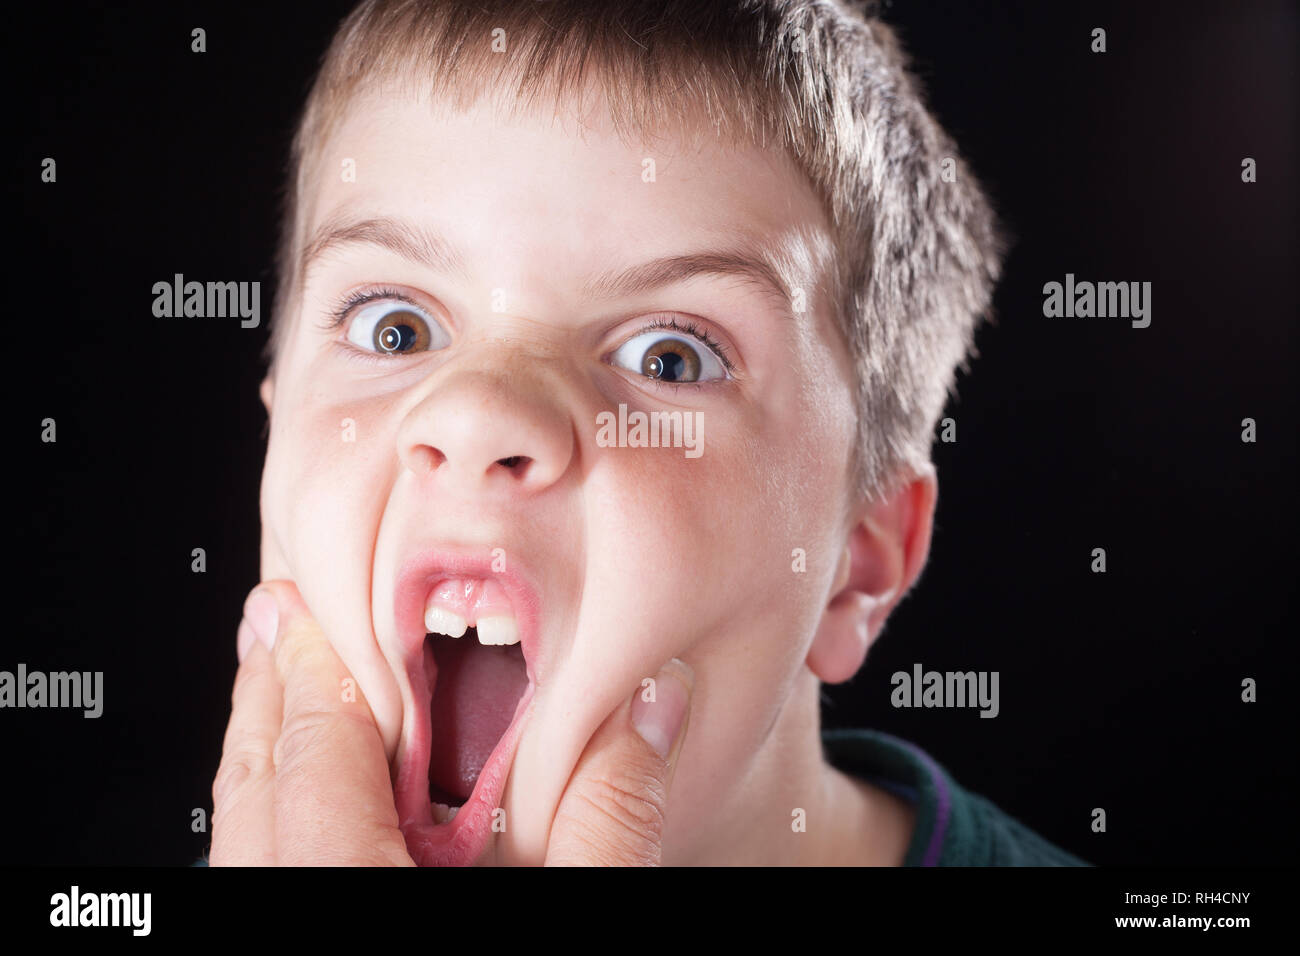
(612, 812)
(303, 778)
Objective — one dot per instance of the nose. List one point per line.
(489, 430)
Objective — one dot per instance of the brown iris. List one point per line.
(401, 331)
(671, 360)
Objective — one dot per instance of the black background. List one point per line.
(1119, 691)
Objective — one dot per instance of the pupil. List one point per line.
(393, 338)
(668, 366)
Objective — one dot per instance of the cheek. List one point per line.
(726, 561)
(318, 459)
(328, 473)
(743, 544)
(736, 542)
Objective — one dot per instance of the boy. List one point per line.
(608, 345)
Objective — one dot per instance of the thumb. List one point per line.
(612, 812)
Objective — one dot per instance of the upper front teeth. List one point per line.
(439, 620)
(497, 631)
(494, 631)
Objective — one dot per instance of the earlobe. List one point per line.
(843, 637)
(267, 392)
(886, 549)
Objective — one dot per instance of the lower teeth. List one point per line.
(443, 813)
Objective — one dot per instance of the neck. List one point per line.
(845, 821)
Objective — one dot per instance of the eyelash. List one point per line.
(694, 331)
(344, 307)
(338, 315)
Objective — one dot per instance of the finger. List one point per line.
(333, 796)
(243, 818)
(613, 810)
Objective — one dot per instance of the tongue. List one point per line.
(474, 699)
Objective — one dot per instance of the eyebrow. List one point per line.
(407, 240)
(428, 249)
(749, 266)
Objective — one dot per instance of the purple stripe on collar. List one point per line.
(943, 810)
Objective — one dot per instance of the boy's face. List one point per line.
(480, 431)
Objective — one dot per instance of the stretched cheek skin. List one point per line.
(273, 504)
(746, 664)
(645, 600)
(686, 558)
(624, 632)
(332, 500)
(754, 502)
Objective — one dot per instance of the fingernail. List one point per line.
(659, 721)
(244, 640)
(263, 615)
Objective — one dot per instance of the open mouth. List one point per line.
(469, 635)
(476, 688)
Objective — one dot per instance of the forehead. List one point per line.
(547, 202)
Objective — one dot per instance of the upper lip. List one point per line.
(422, 570)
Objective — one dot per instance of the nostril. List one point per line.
(425, 459)
(514, 461)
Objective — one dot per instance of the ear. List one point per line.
(886, 549)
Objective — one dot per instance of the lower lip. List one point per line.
(459, 842)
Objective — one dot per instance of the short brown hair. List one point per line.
(917, 252)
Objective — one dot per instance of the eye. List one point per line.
(395, 328)
(670, 357)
